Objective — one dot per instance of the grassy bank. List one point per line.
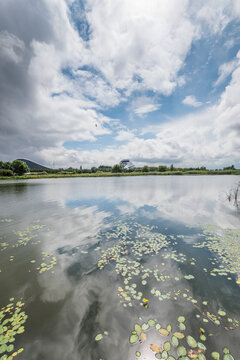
(110, 174)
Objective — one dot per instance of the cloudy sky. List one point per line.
(92, 82)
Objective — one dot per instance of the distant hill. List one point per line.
(34, 166)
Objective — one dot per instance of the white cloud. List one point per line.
(208, 137)
(226, 69)
(124, 135)
(137, 46)
(11, 47)
(190, 100)
(143, 105)
(133, 47)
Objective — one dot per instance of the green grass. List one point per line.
(108, 174)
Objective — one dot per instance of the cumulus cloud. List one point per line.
(57, 78)
(11, 47)
(143, 105)
(124, 135)
(190, 100)
(226, 69)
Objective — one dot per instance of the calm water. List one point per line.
(88, 256)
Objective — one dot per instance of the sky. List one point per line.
(91, 82)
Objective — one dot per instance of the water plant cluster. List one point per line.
(173, 344)
(12, 320)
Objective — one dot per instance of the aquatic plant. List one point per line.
(12, 320)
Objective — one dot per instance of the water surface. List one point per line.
(95, 255)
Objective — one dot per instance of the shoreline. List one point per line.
(155, 173)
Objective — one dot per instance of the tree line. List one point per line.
(18, 167)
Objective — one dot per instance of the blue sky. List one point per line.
(86, 83)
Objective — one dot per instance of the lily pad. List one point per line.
(191, 341)
(167, 346)
(179, 335)
(215, 355)
(181, 351)
(175, 341)
(163, 332)
(228, 357)
(181, 319)
(221, 312)
(98, 337)
(133, 339)
(138, 328)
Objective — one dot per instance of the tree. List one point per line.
(145, 169)
(117, 168)
(93, 169)
(171, 168)
(19, 167)
(162, 168)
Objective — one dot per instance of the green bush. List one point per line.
(162, 168)
(117, 168)
(145, 169)
(6, 172)
(19, 167)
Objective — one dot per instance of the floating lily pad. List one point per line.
(137, 328)
(179, 335)
(133, 339)
(201, 346)
(201, 356)
(164, 355)
(155, 348)
(151, 322)
(215, 355)
(191, 341)
(181, 350)
(182, 326)
(163, 332)
(175, 341)
(167, 346)
(169, 328)
(145, 326)
(228, 357)
(98, 337)
(181, 318)
(221, 312)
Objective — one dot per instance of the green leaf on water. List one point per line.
(191, 341)
(133, 339)
(98, 337)
(182, 326)
(201, 356)
(181, 319)
(167, 346)
(228, 357)
(215, 355)
(201, 346)
(175, 341)
(164, 355)
(221, 312)
(181, 351)
(226, 351)
(138, 328)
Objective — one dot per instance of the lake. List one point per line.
(119, 268)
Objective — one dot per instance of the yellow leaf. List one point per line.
(156, 348)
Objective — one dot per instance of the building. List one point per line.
(127, 164)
